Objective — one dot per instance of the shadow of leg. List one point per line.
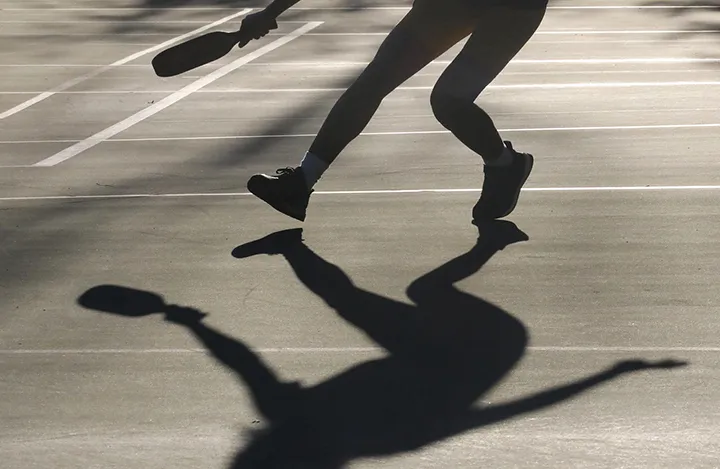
(385, 321)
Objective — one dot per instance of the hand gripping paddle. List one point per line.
(131, 302)
(196, 52)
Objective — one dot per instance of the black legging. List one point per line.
(430, 29)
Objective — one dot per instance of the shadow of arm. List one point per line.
(497, 413)
(270, 395)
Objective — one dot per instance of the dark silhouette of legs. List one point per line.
(431, 28)
(426, 32)
(498, 36)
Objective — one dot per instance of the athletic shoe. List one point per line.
(501, 187)
(286, 191)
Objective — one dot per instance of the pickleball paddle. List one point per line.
(196, 52)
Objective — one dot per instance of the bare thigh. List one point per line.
(500, 33)
(429, 29)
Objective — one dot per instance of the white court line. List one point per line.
(604, 42)
(554, 32)
(526, 86)
(65, 65)
(541, 32)
(632, 61)
(372, 134)
(668, 71)
(70, 83)
(328, 64)
(125, 124)
(580, 7)
(403, 116)
(363, 192)
(20, 142)
(342, 350)
(629, 31)
(102, 21)
(560, 33)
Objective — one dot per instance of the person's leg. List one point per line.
(499, 36)
(428, 30)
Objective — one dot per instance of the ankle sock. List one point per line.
(312, 168)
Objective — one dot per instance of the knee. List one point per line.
(448, 107)
(372, 85)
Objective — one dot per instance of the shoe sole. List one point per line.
(257, 189)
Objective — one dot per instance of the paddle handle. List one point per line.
(241, 38)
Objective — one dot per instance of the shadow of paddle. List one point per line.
(444, 352)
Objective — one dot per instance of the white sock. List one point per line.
(504, 159)
(313, 168)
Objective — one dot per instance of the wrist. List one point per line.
(272, 11)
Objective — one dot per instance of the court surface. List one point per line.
(111, 175)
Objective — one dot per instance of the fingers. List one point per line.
(266, 30)
(183, 315)
(256, 28)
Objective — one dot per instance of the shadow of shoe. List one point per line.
(499, 233)
(272, 244)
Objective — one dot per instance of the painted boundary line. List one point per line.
(342, 350)
(366, 134)
(577, 7)
(385, 33)
(525, 86)
(172, 99)
(635, 61)
(520, 86)
(75, 81)
(366, 192)
(568, 32)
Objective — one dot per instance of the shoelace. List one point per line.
(285, 171)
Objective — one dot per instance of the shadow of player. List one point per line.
(444, 353)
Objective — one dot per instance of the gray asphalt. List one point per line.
(621, 262)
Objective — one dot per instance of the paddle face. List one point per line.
(194, 53)
(122, 300)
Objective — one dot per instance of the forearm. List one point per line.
(278, 7)
(544, 399)
(556, 395)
